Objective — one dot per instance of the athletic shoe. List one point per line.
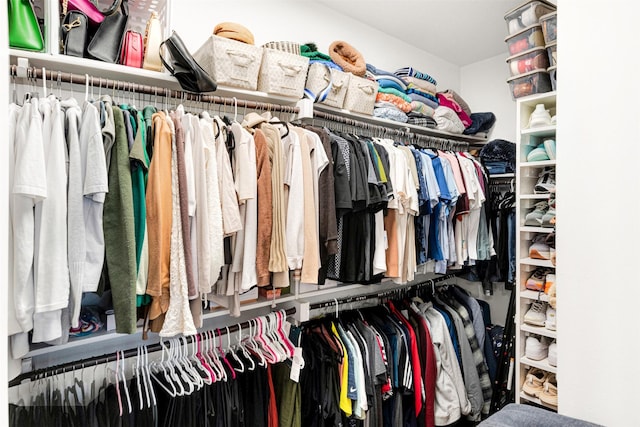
(538, 279)
(550, 280)
(534, 218)
(549, 217)
(550, 321)
(552, 358)
(550, 147)
(538, 154)
(534, 382)
(549, 393)
(536, 315)
(546, 182)
(539, 248)
(536, 348)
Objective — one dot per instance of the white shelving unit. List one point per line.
(527, 176)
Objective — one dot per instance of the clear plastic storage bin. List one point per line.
(536, 81)
(527, 14)
(529, 60)
(526, 39)
(552, 52)
(549, 24)
(553, 72)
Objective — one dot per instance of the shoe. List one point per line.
(549, 217)
(536, 315)
(550, 322)
(546, 182)
(539, 117)
(538, 279)
(536, 348)
(552, 358)
(550, 280)
(549, 393)
(539, 248)
(534, 218)
(538, 154)
(534, 382)
(552, 294)
(550, 147)
(551, 241)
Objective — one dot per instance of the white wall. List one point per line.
(303, 22)
(484, 86)
(598, 191)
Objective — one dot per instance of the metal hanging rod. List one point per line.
(81, 79)
(386, 293)
(419, 139)
(108, 358)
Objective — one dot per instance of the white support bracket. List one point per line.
(22, 67)
(302, 310)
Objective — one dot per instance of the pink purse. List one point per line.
(94, 15)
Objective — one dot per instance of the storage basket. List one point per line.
(361, 95)
(282, 73)
(230, 62)
(327, 85)
(284, 46)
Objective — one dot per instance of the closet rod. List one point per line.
(107, 358)
(422, 140)
(81, 79)
(383, 294)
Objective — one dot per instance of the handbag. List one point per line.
(132, 49)
(191, 76)
(24, 30)
(152, 40)
(74, 34)
(107, 41)
(94, 15)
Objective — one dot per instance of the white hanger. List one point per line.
(244, 349)
(117, 378)
(124, 383)
(174, 366)
(233, 353)
(145, 368)
(213, 354)
(254, 344)
(136, 373)
(200, 362)
(157, 367)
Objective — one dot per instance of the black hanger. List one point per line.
(278, 122)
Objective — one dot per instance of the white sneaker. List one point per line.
(552, 357)
(536, 348)
(536, 314)
(550, 321)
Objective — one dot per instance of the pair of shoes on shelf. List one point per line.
(541, 314)
(544, 151)
(540, 116)
(536, 348)
(543, 214)
(543, 385)
(552, 293)
(543, 247)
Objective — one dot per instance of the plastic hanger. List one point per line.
(201, 363)
(221, 374)
(276, 341)
(162, 367)
(175, 369)
(261, 338)
(253, 345)
(117, 384)
(233, 353)
(124, 383)
(136, 373)
(190, 373)
(224, 356)
(245, 352)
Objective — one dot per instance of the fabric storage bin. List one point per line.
(361, 95)
(528, 61)
(553, 71)
(552, 52)
(230, 62)
(327, 82)
(536, 81)
(526, 39)
(549, 24)
(527, 14)
(282, 73)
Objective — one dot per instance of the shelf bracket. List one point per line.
(21, 69)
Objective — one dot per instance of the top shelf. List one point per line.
(540, 131)
(539, 98)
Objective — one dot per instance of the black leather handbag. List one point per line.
(107, 41)
(191, 76)
(74, 34)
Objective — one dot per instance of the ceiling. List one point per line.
(459, 31)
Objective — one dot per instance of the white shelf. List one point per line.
(537, 262)
(529, 229)
(541, 164)
(502, 175)
(535, 400)
(538, 330)
(542, 364)
(533, 295)
(534, 196)
(540, 131)
(538, 98)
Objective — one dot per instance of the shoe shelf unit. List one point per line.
(529, 200)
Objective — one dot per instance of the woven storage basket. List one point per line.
(282, 73)
(361, 95)
(230, 62)
(320, 76)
